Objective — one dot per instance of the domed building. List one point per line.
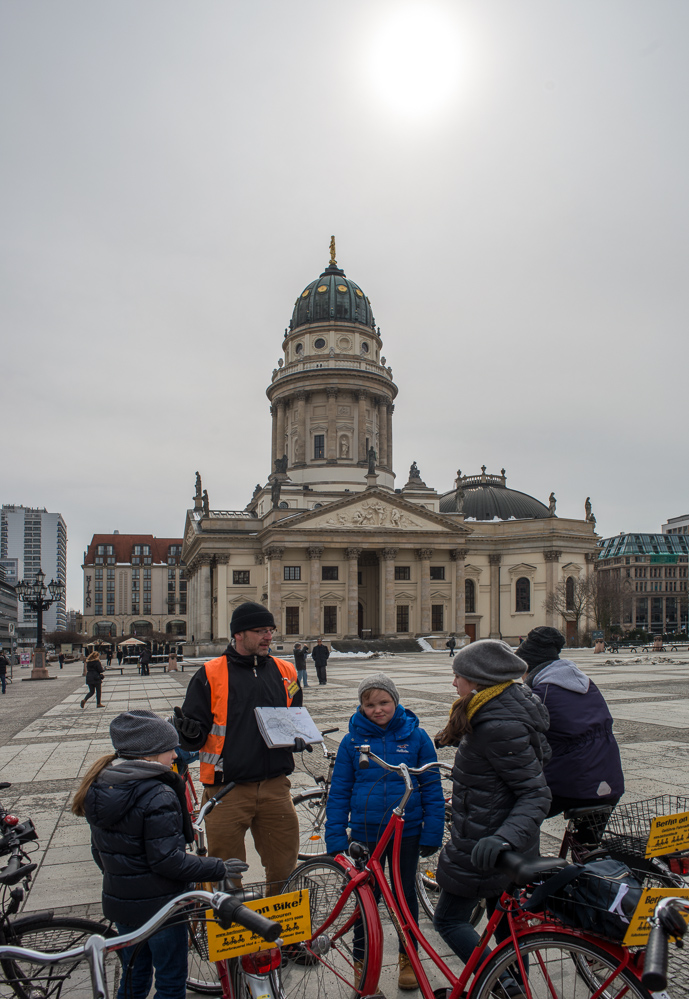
(333, 547)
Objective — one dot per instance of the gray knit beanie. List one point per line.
(379, 681)
(141, 733)
(488, 662)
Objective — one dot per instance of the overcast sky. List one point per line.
(507, 181)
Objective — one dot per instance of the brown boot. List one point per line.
(406, 979)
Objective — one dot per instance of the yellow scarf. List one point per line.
(483, 696)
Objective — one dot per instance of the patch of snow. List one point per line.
(424, 645)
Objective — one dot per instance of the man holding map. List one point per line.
(218, 719)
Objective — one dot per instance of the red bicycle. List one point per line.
(541, 958)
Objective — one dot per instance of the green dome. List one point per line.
(332, 296)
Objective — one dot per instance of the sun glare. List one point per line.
(416, 60)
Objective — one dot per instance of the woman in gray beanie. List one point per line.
(500, 796)
(140, 825)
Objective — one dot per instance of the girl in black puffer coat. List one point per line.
(140, 825)
(500, 796)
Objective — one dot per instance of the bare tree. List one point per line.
(64, 638)
(572, 598)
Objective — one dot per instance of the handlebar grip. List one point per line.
(14, 872)
(363, 761)
(329, 731)
(212, 802)
(654, 977)
(231, 910)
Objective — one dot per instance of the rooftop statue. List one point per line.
(281, 465)
(371, 461)
(414, 472)
(206, 504)
(551, 504)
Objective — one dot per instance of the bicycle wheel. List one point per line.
(332, 963)
(310, 809)
(560, 966)
(29, 980)
(202, 973)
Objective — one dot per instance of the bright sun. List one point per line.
(416, 59)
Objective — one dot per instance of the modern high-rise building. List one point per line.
(34, 539)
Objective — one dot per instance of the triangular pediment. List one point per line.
(522, 569)
(375, 510)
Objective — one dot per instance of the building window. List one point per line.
(402, 572)
(319, 446)
(329, 572)
(437, 572)
(402, 617)
(469, 596)
(292, 572)
(522, 592)
(329, 620)
(291, 620)
(437, 617)
(241, 577)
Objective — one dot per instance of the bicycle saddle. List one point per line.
(579, 813)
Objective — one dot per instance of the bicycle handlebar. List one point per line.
(15, 872)
(365, 755)
(665, 922)
(96, 947)
(211, 803)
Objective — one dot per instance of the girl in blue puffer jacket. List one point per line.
(364, 799)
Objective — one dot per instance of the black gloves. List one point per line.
(428, 851)
(187, 728)
(235, 868)
(300, 746)
(487, 850)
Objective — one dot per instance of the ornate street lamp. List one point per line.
(35, 596)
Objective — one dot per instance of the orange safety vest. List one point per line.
(210, 756)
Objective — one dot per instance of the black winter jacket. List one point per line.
(138, 842)
(499, 789)
(320, 654)
(254, 681)
(94, 671)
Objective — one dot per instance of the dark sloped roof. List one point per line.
(123, 545)
(487, 501)
(332, 296)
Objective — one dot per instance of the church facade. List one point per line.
(329, 543)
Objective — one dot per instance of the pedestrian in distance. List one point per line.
(61, 659)
(140, 825)
(108, 656)
(218, 719)
(363, 800)
(320, 654)
(93, 678)
(451, 645)
(500, 795)
(120, 655)
(4, 663)
(300, 651)
(144, 662)
(585, 768)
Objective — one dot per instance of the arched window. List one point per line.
(469, 596)
(522, 592)
(569, 593)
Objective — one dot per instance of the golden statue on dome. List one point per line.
(333, 262)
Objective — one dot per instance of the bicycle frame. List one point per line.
(521, 924)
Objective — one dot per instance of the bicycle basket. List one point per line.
(630, 824)
(599, 897)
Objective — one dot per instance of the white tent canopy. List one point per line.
(131, 641)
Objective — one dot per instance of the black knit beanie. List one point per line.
(541, 645)
(141, 733)
(250, 615)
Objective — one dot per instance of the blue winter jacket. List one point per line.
(364, 799)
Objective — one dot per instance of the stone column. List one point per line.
(424, 556)
(383, 431)
(204, 599)
(494, 561)
(315, 553)
(458, 556)
(591, 559)
(274, 555)
(388, 616)
(300, 456)
(280, 448)
(274, 437)
(331, 450)
(361, 437)
(390, 410)
(352, 556)
(222, 631)
(551, 558)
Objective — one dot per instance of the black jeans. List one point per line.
(320, 673)
(409, 861)
(94, 688)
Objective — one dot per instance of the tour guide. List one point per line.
(218, 719)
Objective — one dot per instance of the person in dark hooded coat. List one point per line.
(500, 796)
(585, 768)
(140, 825)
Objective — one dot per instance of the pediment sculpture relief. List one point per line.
(373, 514)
